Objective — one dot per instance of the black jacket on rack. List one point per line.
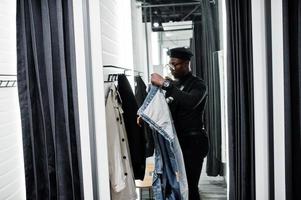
(140, 94)
(134, 132)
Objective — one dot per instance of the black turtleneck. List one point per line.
(187, 100)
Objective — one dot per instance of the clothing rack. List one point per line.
(123, 68)
(8, 82)
(113, 77)
(138, 72)
(115, 67)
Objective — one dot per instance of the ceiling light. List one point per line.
(156, 24)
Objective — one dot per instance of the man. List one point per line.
(187, 97)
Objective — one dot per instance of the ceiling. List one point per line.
(162, 11)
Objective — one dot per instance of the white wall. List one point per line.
(89, 52)
(8, 61)
(139, 40)
(96, 97)
(260, 100)
(116, 33)
(278, 99)
(110, 32)
(80, 27)
(103, 32)
(12, 178)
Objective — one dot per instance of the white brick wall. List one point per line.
(116, 35)
(116, 29)
(110, 26)
(12, 180)
(7, 36)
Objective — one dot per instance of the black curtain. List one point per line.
(292, 89)
(48, 99)
(204, 44)
(240, 99)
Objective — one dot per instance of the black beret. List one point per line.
(180, 52)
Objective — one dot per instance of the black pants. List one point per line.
(194, 149)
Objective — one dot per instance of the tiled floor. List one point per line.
(212, 188)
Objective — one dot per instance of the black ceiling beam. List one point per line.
(190, 13)
(169, 4)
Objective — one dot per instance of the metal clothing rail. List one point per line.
(115, 67)
(147, 5)
(122, 68)
(8, 75)
(114, 76)
(6, 83)
(134, 70)
(138, 72)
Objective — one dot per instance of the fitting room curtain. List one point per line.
(205, 42)
(292, 90)
(48, 99)
(240, 100)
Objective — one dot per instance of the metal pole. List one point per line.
(146, 38)
(161, 45)
(190, 12)
(8, 74)
(169, 4)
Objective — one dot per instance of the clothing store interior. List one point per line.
(150, 99)
(173, 29)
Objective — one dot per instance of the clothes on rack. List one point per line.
(134, 132)
(169, 178)
(120, 167)
(140, 95)
(140, 90)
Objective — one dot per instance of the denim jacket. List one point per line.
(169, 179)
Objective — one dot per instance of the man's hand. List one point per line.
(139, 121)
(157, 80)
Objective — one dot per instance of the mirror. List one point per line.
(201, 27)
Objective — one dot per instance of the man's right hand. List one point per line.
(157, 79)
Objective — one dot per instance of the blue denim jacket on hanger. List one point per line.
(169, 179)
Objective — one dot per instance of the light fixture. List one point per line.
(170, 26)
(156, 24)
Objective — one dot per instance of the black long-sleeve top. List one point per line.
(187, 98)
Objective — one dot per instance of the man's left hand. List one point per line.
(157, 80)
(139, 121)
